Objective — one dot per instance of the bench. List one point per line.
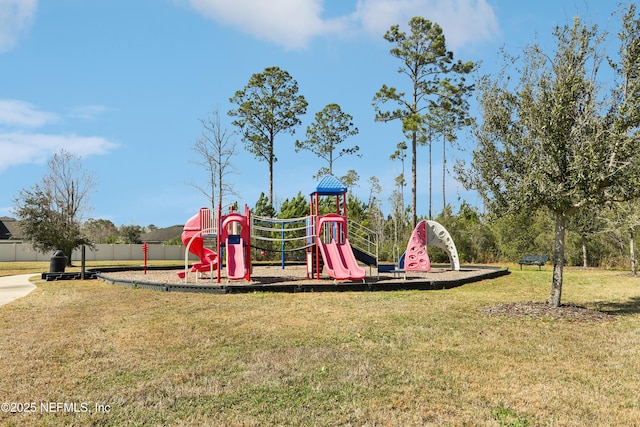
(538, 260)
(389, 268)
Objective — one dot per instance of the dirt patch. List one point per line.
(542, 310)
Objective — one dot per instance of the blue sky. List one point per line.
(124, 84)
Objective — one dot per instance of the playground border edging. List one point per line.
(412, 284)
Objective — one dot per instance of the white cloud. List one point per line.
(20, 145)
(38, 148)
(463, 21)
(290, 23)
(20, 113)
(87, 112)
(293, 23)
(16, 17)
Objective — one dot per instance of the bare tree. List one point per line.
(51, 212)
(214, 149)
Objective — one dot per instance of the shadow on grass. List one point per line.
(625, 308)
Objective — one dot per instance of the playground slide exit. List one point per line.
(338, 258)
(235, 260)
(332, 261)
(340, 262)
(349, 261)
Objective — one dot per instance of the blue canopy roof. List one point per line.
(330, 186)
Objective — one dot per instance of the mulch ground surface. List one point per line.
(542, 310)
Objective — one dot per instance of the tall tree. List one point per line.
(548, 143)
(268, 105)
(425, 60)
(331, 128)
(50, 213)
(214, 149)
(446, 116)
(626, 112)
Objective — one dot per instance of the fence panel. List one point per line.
(11, 252)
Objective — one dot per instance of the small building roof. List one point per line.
(10, 229)
(329, 185)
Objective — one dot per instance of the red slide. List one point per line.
(349, 261)
(235, 233)
(338, 258)
(235, 260)
(332, 261)
(208, 258)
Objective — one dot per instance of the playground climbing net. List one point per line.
(293, 234)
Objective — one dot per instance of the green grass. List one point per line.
(409, 358)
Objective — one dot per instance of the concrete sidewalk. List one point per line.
(14, 287)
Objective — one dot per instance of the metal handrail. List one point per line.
(363, 238)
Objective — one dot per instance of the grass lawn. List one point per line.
(121, 356)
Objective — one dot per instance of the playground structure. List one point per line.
(439, 237)
(232, 234)
(331, 237)
(416, 256)
(324, 239)
(235, 238)
(193, 235)
(431, 233)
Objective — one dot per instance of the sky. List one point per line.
(124, 84)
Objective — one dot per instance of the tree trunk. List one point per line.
(219, 189)
(444, 171)
(271, 183)
(414, 179)
(585, 263)
(632, 249)
(430, 182)
(271, 161)
(558, 260)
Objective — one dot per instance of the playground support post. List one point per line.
(218, 221)
(282, 246)
(145, 251)
(83, 259)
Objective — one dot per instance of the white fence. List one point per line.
(102, 252)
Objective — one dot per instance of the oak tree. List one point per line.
(550, 138)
